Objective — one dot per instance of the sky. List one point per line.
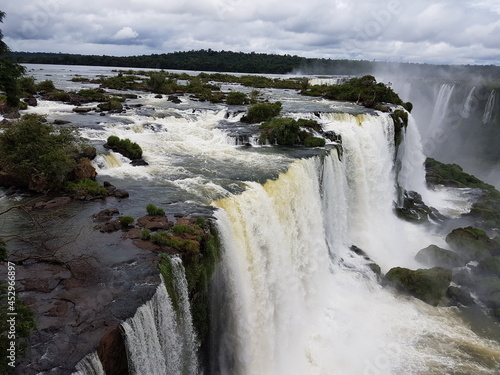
(424, 31)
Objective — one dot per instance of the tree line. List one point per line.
(228, 61)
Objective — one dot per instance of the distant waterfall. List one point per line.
(441, 108)
(326, 81)
(160, 341)
(490, 105)
(466, 110)
(295, 300)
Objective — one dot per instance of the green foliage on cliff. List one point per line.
(262, 112)
(125, 147)
(32, 149)
(486, 208)
(199, 259)
(285, 131)
(364, 90)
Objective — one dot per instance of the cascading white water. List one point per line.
(326, 81)
(490, 105)
(466, 110)
(441, 109)
(89, 365)
(299, 301)
(160, 340)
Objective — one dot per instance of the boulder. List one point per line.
(31, 101)
(434, 255)
(105, 215)
(61, 122)
(471, 243)
(82, 109)
(154, 223)
(53, 203)
(174, 99)
(109, 226)
(459, 296)
(429, 285)
(85, 169)
(113, 353)
(120, 193)
(490, 266)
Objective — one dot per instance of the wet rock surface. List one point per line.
(81, 285)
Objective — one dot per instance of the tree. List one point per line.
(9, 72)
(31, 149)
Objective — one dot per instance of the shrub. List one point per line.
(154, 211)
(27, 85)
(125, 221)
(314, 142)
(125, 147)
(262, 112)
(46, 85)
(59, 95)
(85, 187)
(92, 95)
(145, 234)
(236, 98)
(30, 147)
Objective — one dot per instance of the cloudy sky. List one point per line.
(432, 31)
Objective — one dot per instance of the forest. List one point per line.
(228, 61)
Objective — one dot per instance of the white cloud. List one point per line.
(126, 33)
(425, 31)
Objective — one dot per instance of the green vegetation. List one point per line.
(92, 95)
(27, 85)
(145, 234)
(167, 271)
(486, 208)
(262, 112)
(227, 61)
(46, 85)
(364, 90)
(10, 72)
(237, 98)
(400, 119)
(429, 285)
(125, 147)
(451, 175)
(125, 221)
(85, 187)
(32, 151)
(285, 131)
(152, 210)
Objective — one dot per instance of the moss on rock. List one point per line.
(429, 285)
(434, 255)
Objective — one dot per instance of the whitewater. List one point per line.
(289, 295)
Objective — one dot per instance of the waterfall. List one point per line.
(89, 365)
(441, 109)
(327, 81)
(466, 110)
(296, 300)
(160, 340)
(490, 105)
